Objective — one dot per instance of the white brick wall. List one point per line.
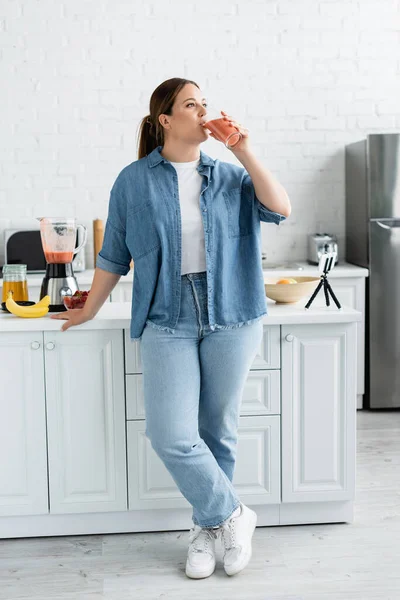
(305, 76)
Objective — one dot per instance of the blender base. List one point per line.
(57, 308)
(58, 282)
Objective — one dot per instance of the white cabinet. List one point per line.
(75, 457)
(318, 412)
(23, 462)
(257, 473)
(256, 477)
(62, 423)
(85, 421)
(350, 291)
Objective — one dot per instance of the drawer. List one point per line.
(268, 356)
(257, 472)
(261, 395)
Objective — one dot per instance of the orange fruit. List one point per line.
(289, 280)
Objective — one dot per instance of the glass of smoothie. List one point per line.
(224, 131)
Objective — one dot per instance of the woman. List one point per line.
(192, 226)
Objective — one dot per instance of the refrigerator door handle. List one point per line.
(383, 225)
(393, 225)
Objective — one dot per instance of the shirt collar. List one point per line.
(155, 158)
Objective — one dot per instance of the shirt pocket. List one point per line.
(240, 213)
(141, 233)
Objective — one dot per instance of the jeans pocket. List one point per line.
(240, 213)
(142, 235)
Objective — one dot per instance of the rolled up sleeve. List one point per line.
(114, 255)
(266, 215)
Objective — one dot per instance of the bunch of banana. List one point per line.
(36, 310)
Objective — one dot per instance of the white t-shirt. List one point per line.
(193, 245)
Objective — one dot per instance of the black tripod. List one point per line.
(325, 266)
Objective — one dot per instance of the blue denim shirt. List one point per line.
(144, 223)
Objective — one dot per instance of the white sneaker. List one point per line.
(236, 534)
(201, 553)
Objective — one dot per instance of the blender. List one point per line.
(58, 240)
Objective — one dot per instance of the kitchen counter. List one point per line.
(341, 270)
(117, 315)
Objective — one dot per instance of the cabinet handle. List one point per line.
(289, 337)
(50, 346)
(35, 345)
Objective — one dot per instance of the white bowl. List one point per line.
(288, 293)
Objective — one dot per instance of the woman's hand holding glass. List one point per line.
(227, 130)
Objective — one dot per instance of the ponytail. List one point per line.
(150, 136)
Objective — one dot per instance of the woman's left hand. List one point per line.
(244, 143)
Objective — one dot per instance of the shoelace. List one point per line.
(201, 538)
(228, 532)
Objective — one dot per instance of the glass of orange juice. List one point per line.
(14, 278)
(224, 131)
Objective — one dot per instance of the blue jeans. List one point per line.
(193, 382)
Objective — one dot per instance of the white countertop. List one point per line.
(341, 270)
(117, 315)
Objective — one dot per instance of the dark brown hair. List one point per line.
(151, 132)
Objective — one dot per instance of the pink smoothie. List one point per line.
(222, 130)
(58, 257)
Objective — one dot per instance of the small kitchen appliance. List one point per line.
(58, 235)
(319, 244)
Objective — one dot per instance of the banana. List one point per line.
(34, 311)
(45, 301)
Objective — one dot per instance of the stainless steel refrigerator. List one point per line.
(373, 241)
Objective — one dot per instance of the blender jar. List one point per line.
(59, 237)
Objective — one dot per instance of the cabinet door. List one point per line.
(256, 478)
(86, 421)
(350, 291)
(318, 412)
(23, 463)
